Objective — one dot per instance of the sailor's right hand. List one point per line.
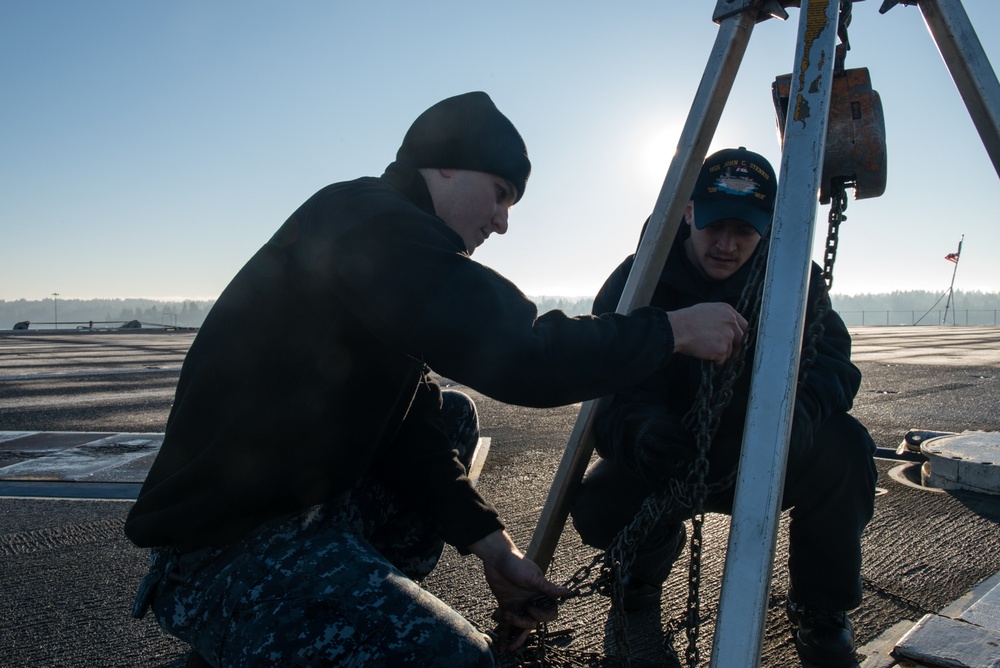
(710, 331)
(524, 596)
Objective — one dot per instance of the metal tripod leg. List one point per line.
(753, 531)
(703, 119)
(746, 579)
(963, 53)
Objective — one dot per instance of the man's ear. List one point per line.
(689, 213)
(436, 173)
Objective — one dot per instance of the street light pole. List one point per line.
(55, 305)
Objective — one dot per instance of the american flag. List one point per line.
(952, 257)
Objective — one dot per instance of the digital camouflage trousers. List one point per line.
(335, 585)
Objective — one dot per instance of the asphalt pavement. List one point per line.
(67, 573)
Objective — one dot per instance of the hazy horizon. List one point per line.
(898, 308)
(181, 300)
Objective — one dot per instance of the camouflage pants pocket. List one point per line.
(332, 600)
(310, 592)
(201, 593)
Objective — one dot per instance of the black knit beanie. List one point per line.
(467, 132)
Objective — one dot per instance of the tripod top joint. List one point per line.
(766, 8)
(889, 4)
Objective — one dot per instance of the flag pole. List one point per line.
(954, 257)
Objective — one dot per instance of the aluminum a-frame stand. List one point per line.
(753, 530)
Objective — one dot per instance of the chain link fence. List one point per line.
(983, 317)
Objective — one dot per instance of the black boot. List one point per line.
(823, 637)
(638, 595)
(642, 585)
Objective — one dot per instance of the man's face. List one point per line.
(473, 204)
(720, 249)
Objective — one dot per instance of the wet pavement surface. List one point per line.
(67, 573)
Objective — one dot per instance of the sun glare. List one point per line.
(655, 144)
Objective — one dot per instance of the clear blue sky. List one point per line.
(147, 149)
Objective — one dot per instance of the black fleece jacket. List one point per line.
(664, 398)
(312, 370)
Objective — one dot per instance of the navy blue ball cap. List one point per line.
(735, 183)
(467, 132)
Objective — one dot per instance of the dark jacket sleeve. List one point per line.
(469, 324)
(423, 468)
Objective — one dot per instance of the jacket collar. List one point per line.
(408, 180)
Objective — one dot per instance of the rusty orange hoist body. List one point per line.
(855, 137)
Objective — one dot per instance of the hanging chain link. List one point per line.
(822, 305)
(704, 418)
(838, 204)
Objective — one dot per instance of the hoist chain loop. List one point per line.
(822, 305)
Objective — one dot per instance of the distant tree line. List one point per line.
(191, 313)
(915, 300)
(918, 301)
(920, 308)
(108, 312)
(568, 305)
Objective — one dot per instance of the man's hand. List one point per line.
(514, 581)
(710, 331)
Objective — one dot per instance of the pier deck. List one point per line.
(82, 413)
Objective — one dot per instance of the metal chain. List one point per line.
(713, 397)
(838, 204)
(706, 412)
(822, 306)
